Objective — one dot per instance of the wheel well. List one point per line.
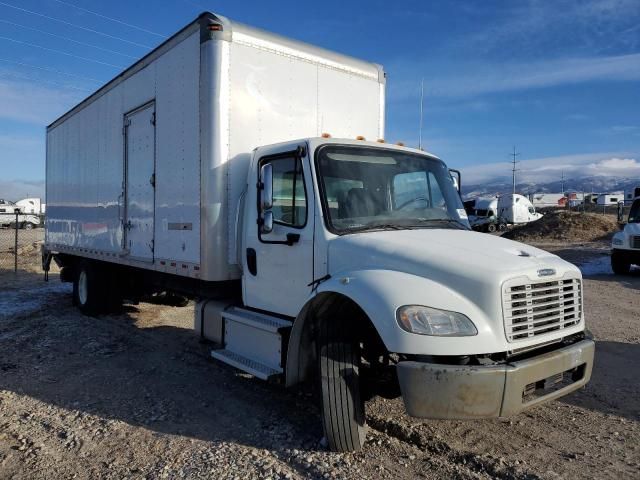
(327, 307)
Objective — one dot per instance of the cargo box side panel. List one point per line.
(177, 226)
(86, 164)
(82, 202)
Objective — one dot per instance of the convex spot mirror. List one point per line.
(266, 198)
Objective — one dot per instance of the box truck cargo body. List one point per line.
(204, 169)
(148, 170)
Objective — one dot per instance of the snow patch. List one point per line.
(30, 299)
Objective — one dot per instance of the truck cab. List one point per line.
(625, 245)
(359, 254)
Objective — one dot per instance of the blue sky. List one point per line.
(560, 80)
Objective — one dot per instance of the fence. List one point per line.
(20, 240)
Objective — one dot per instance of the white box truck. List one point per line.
(203, 169)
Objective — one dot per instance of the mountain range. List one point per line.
(597, 184)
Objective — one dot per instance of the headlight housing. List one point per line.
(435, 322)
(618, 241)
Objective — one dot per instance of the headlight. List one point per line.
(432, 321)
(618, 241)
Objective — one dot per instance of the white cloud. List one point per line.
(476, 79)
(15, 190)
(30, 102)
(551, 168)
(536, 26)
(613, 166)
(22, 156)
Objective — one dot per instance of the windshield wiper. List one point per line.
(381, 226)
(448, 221)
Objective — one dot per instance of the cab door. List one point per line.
(278, 265)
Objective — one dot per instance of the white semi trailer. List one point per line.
(203, 169)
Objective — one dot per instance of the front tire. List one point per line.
(342, 405)
(491, 227)
(619, 263)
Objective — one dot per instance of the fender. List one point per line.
(379, 293)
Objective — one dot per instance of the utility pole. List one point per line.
(513, 170)
(421, 113)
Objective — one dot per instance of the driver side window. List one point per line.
(289, 195)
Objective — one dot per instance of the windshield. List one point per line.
(634, 213)
(374, 188)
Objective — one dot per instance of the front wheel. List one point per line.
(491, 227)
(620, 263)
(28, 226)
(342, 405)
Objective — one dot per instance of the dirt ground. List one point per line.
(136, 396)
(566, 226)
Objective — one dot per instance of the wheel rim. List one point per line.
(82, 288)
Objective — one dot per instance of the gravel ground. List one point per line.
(136, 396)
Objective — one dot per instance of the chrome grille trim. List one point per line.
(532, 309)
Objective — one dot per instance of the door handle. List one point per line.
(252, 261)
(292, 238)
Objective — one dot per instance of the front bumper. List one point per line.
(463, 391)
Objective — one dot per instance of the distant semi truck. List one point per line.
(230, 164)
(516, 209)
(32, 205)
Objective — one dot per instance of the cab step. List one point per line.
(257, 320)
(245, 364)
(253, 342)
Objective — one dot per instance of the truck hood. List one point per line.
(469, 264)
(440, 252)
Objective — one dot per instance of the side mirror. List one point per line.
(456, 178)
(267, 222)
(266, 198)
(621, 225)
(620, 212)
(266, 181)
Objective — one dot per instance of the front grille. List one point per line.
(635, 241)
(539, 308)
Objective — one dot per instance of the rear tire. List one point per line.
(28, 226)
(491, 227)
(342, 405)
(619, 263)
(88, 289)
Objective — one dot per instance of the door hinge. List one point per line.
(152, 180)
(153, 118)
(127, 122)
